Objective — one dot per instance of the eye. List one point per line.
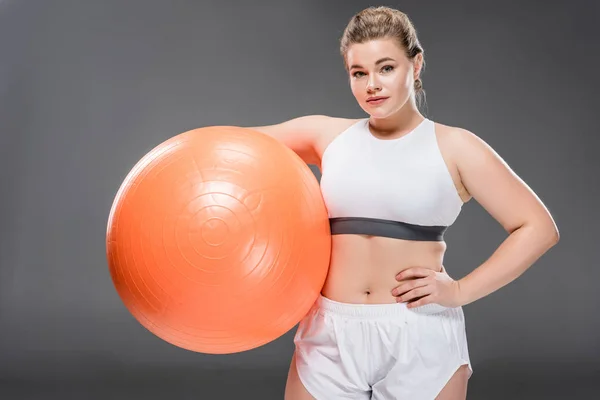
(386, 68)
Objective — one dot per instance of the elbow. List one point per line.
(555, 236)
(548, 232)
(545, 231)
(551, 230)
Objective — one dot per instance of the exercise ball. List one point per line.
(218, 240)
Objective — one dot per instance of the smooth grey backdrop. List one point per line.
(88, 87)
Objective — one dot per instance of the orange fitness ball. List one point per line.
(218, 240)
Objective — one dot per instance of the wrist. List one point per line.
(461, 293)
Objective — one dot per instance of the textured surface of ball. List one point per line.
(218, 240)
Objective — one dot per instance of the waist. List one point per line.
(363, 269)
(370, 311)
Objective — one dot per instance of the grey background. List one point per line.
(88, 87)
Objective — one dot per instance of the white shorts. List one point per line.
(379, 351)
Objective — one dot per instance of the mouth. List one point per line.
(376, 100)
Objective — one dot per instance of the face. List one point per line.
(381, 69)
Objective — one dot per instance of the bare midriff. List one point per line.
(363, 268)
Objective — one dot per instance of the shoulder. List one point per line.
(330, 128)
(463, 151)
(321, 127)
(449, 133)
(332, 125)
(466, 150)
(458, 141)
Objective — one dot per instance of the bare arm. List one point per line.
(492, 183)
(300, 134)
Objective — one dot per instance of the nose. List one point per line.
(373, 85)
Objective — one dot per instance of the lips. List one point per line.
(370, 99)
(376, 100)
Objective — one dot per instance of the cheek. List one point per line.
(399, 82)
(356, 89)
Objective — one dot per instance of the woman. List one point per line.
(389, 322)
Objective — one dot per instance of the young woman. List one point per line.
(389, 322)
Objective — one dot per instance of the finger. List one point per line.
(405, 287)
(420, 302)
(411, 295)
(415, 272)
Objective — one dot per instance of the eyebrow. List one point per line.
(384, 59)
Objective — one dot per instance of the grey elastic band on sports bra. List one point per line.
(386, 228)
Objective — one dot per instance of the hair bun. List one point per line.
(418, 84)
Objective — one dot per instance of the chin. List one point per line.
(378, 113)
(383, 111)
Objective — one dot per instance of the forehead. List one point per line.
(369, 52)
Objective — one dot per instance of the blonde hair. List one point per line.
(383, 23)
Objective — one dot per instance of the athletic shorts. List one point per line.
(379, 351)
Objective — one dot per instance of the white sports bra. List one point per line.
(399, 188)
